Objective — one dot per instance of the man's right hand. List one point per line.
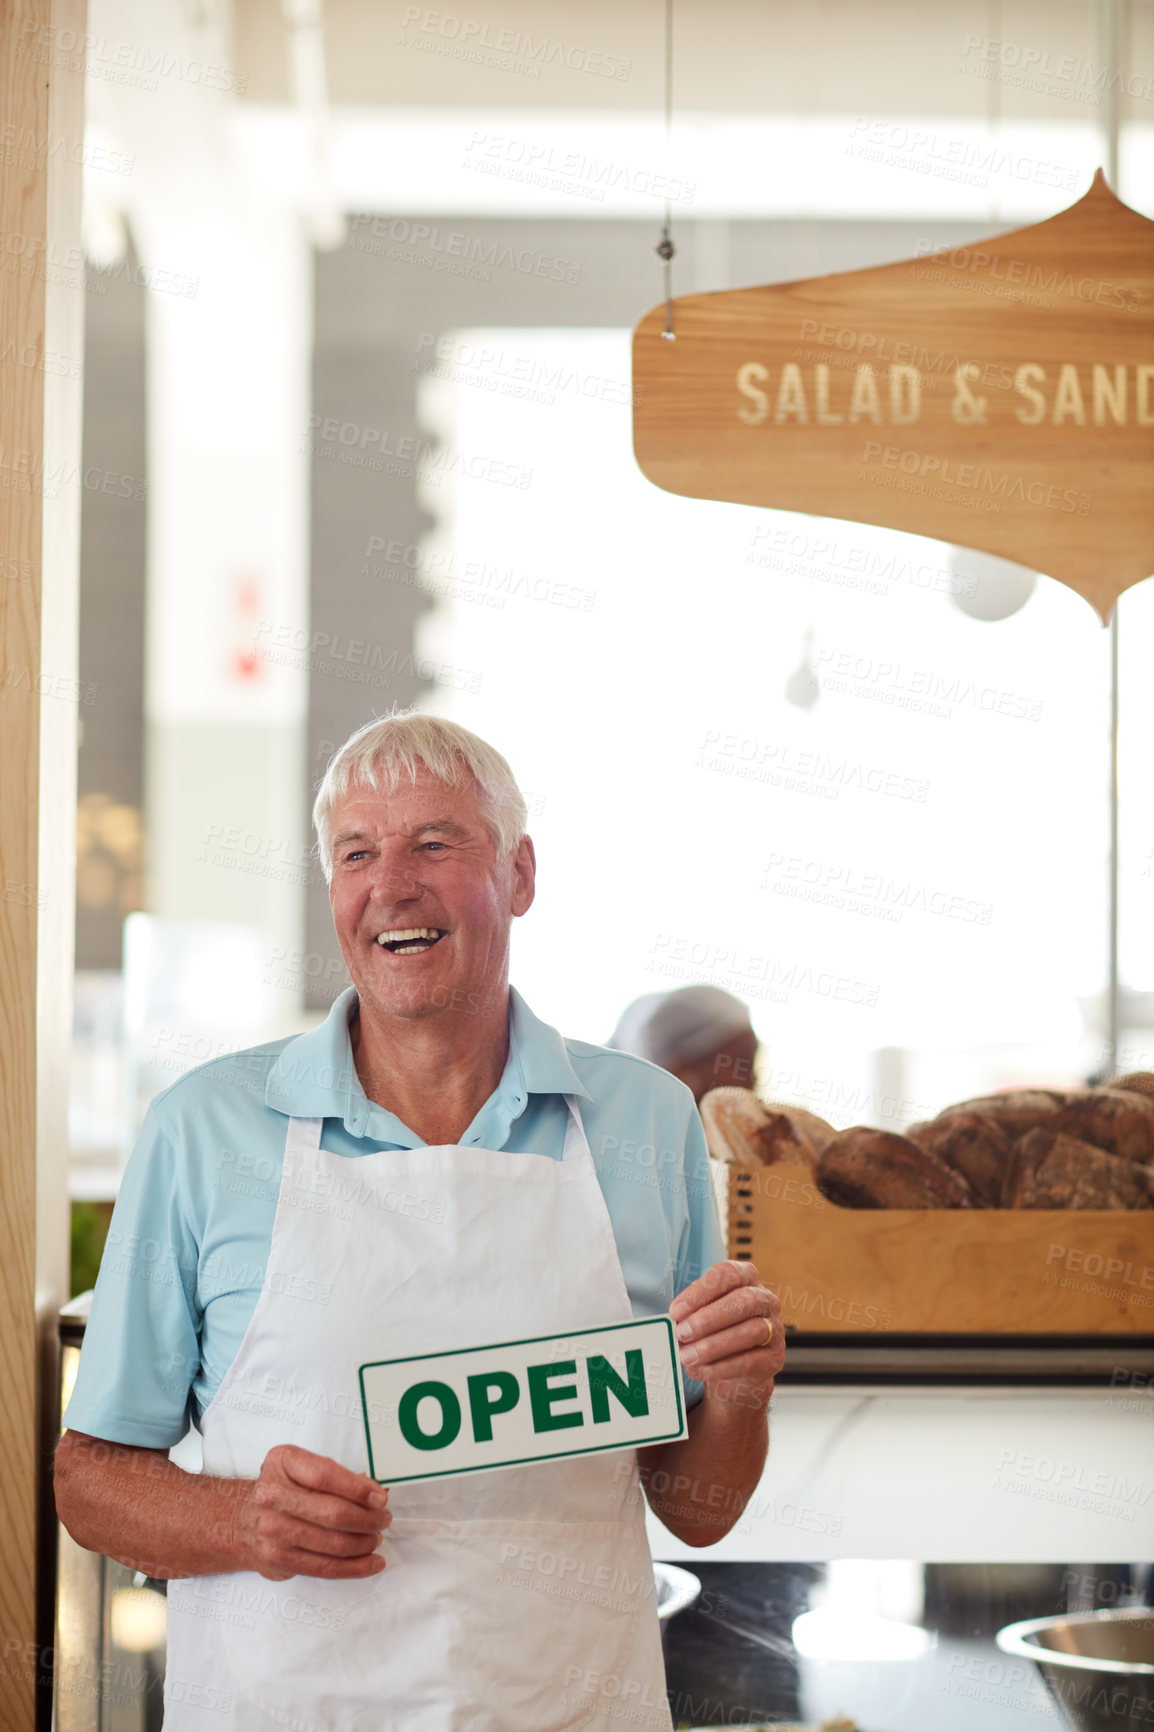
(308, 1516)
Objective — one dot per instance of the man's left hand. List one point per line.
(721, 1323)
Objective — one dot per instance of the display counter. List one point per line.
(1028, 1474)
(972, 1483)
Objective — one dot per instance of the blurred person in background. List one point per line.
(700, 1034)
(703, 1036)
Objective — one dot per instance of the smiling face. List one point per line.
(421, 904)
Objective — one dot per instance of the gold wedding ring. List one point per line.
(769, 1326)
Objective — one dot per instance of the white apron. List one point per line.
(519, 1600)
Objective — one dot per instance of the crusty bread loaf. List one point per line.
(1025, 1149)
(1049, 1170)
(749, 1132)
(1140, 1082)
(812, 1132)
(737, 1128)
(1017, 1110)
(1120, 1121)
(866, 1169)
(972, 1144)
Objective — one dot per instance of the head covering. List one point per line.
(680, 1027)
(629, 1035)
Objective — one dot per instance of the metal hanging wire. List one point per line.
(993, 108)
(1113, 43)
(665, 248)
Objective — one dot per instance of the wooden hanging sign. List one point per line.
(998, 395)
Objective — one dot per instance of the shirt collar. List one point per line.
(543, 1055)
(315, 1077)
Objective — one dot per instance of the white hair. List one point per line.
(395, 748)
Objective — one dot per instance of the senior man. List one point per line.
(433, 1168)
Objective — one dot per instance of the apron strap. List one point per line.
(576, 1142)
(303, 1137)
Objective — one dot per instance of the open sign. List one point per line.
(616, 1387)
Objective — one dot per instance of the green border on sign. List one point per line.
(527, 1341)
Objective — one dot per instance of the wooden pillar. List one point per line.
(41, 368)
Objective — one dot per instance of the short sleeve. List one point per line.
(141, 1346)
(701, 1242)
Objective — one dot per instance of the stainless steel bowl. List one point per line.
(676, 1590)
(1098, 1666)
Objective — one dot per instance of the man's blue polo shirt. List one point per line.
(188, 1246)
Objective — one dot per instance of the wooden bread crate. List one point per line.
(941, 1271)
